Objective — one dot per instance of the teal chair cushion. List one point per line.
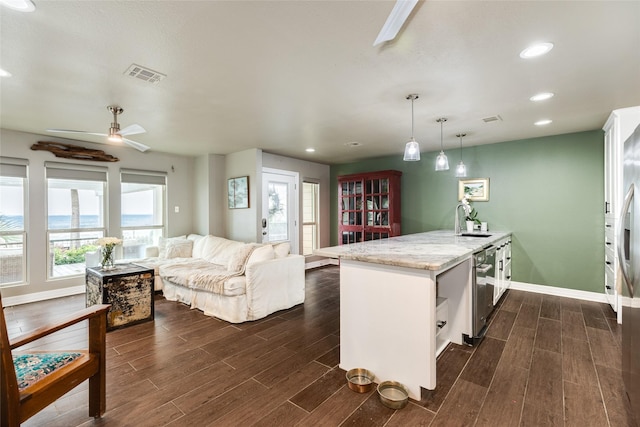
(32, 367)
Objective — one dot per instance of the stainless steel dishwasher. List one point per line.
(483, 280)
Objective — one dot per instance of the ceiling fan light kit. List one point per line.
(115, 134)
(412, 148)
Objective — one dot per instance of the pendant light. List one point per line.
(461, 169)
(442, 163)
(412, 149)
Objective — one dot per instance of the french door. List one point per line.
(280, 207)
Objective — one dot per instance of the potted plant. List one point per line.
(471, 218)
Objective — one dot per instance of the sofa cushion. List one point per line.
(282, 249)
(178, 249)
(262, 253)
(218, 250)
(198, 247)
(200, 274)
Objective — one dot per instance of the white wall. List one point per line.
(210, 189)
(244, 224)
(308, 171)
(179, 193)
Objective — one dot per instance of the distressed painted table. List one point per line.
(129, 290)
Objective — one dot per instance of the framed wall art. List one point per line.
(476, 190)
(238, 192)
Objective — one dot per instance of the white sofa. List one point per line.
(230, 280)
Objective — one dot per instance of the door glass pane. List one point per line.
(278, 211)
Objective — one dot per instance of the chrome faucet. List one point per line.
(467, 209)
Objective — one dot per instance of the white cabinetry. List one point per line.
(617, 129)
(502, 268)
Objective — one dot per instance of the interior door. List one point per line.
(280, 207)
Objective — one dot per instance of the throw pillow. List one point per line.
(239, 258)
(179, 249)
(262, 253)
(282, 249)
(163, 243)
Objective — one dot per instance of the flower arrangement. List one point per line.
(108, 244)
(470, 214)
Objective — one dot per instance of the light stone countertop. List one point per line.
(433, 250)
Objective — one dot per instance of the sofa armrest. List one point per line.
(152, 252)
(274, 285)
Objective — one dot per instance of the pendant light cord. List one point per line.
(412, 99)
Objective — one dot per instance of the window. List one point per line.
(142, 210)
(75, 215)
(310, 194)
(13, 230)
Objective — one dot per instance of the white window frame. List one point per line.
(135, 176)
(75, 172)
(18, 168)
(316, 213)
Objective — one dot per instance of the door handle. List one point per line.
(628, 198)
(484, 268)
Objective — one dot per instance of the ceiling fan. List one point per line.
(115, 134)
(395, 21)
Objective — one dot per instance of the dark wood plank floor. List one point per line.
(546, 361)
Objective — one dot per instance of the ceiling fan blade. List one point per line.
(76, 131)
(395, 21)
(138, 146)
(132, 130)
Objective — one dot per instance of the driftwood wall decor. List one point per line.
(70, 151)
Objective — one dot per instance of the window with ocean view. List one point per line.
(75, 215)
(13, 232)
(142, 210)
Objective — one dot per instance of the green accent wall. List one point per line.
(549, 192)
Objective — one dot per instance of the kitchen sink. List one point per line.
(475, 235)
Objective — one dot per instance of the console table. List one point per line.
(129, 290)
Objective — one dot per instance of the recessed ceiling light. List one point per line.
(20, 5)
(310, 150)
(4, 73)
(536, 50)
(541, 96)
(543, 122)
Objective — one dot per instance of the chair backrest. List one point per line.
(10, 396)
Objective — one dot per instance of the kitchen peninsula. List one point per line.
(396, 293)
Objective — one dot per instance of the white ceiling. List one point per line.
(286, 75)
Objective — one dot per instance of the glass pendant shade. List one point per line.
(411, 151)
(461, 169)
(442, 162)
(412, 148)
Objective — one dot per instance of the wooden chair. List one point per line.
(23, 396)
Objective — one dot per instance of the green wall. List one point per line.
(548, 191)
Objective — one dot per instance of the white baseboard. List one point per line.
(561, 292)
(45, 295)
(321, 263)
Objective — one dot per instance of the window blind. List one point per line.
(12, 167)
(132, 176)
(75, 171)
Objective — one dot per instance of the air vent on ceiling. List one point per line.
(490, 119)
(145, 74)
